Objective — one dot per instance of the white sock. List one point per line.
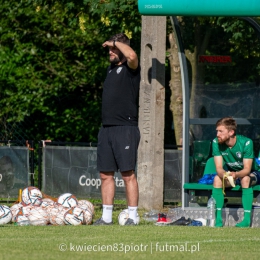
(132, 212)
(107, 213)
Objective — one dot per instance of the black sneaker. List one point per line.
(181, 222)
(130, 222)
(101, 222)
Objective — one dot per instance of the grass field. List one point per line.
(145, 241)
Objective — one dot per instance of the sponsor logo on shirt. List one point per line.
(238, 154)
(235, 164)
(247, 143)
(224, 154)
(119, 70)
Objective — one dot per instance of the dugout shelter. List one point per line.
(232, 89)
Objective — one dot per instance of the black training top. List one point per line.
(120, 96)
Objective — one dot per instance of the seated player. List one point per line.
(238, 154)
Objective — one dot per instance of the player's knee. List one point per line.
(245, 182)
(106, 176)
(217, 182)
(128, 176)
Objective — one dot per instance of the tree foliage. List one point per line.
(52, 66)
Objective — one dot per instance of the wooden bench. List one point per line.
(206, 189)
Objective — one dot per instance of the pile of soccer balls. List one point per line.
(39, 211)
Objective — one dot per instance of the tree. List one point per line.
(47, 67)
(53, 64)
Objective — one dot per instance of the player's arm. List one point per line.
(246, 170)
(129, 53)
(248, 156)
(218, 160)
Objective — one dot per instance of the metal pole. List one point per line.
(186, 108)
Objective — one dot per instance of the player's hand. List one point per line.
(233, 174)
(108, 44)
(230, 176)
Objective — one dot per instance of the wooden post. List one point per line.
(150, 165)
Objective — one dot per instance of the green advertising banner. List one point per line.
(68, 169)
(14, 170)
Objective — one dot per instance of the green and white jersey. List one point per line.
(233, 157)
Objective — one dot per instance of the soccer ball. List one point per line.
(56, 214)
(68, 200)
(85, 204)
(38, 216)
(22, 214)
(31, 195)
(47, 203)
(5, 214)
(15, 209)
(123, 216)
(74, 216)
(49, 209)
(27, 209)
(21, 217)
(87, 216)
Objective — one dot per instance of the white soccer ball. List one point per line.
(47, 203)
(68, 200)
(51, 207)
(5, 214)
(31, 196)
(23, 213)
(20, 216)
(88, 217)
(56, 215)
(74, 216)
(85, 204)
(38, 216)
(123, 216)
(27, 209)
(15, 209)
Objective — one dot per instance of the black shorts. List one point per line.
(117, 148)
(257, 178)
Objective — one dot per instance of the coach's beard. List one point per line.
(118, 59)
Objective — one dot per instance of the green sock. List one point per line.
(247, 201)
(219, 197)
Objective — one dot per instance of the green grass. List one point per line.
(145, 241)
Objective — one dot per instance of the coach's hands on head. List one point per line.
(108, 44)
(127, 51)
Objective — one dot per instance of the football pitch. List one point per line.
(145, 241)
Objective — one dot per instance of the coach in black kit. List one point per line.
(119, 136)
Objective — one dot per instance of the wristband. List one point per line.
(114, 43)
